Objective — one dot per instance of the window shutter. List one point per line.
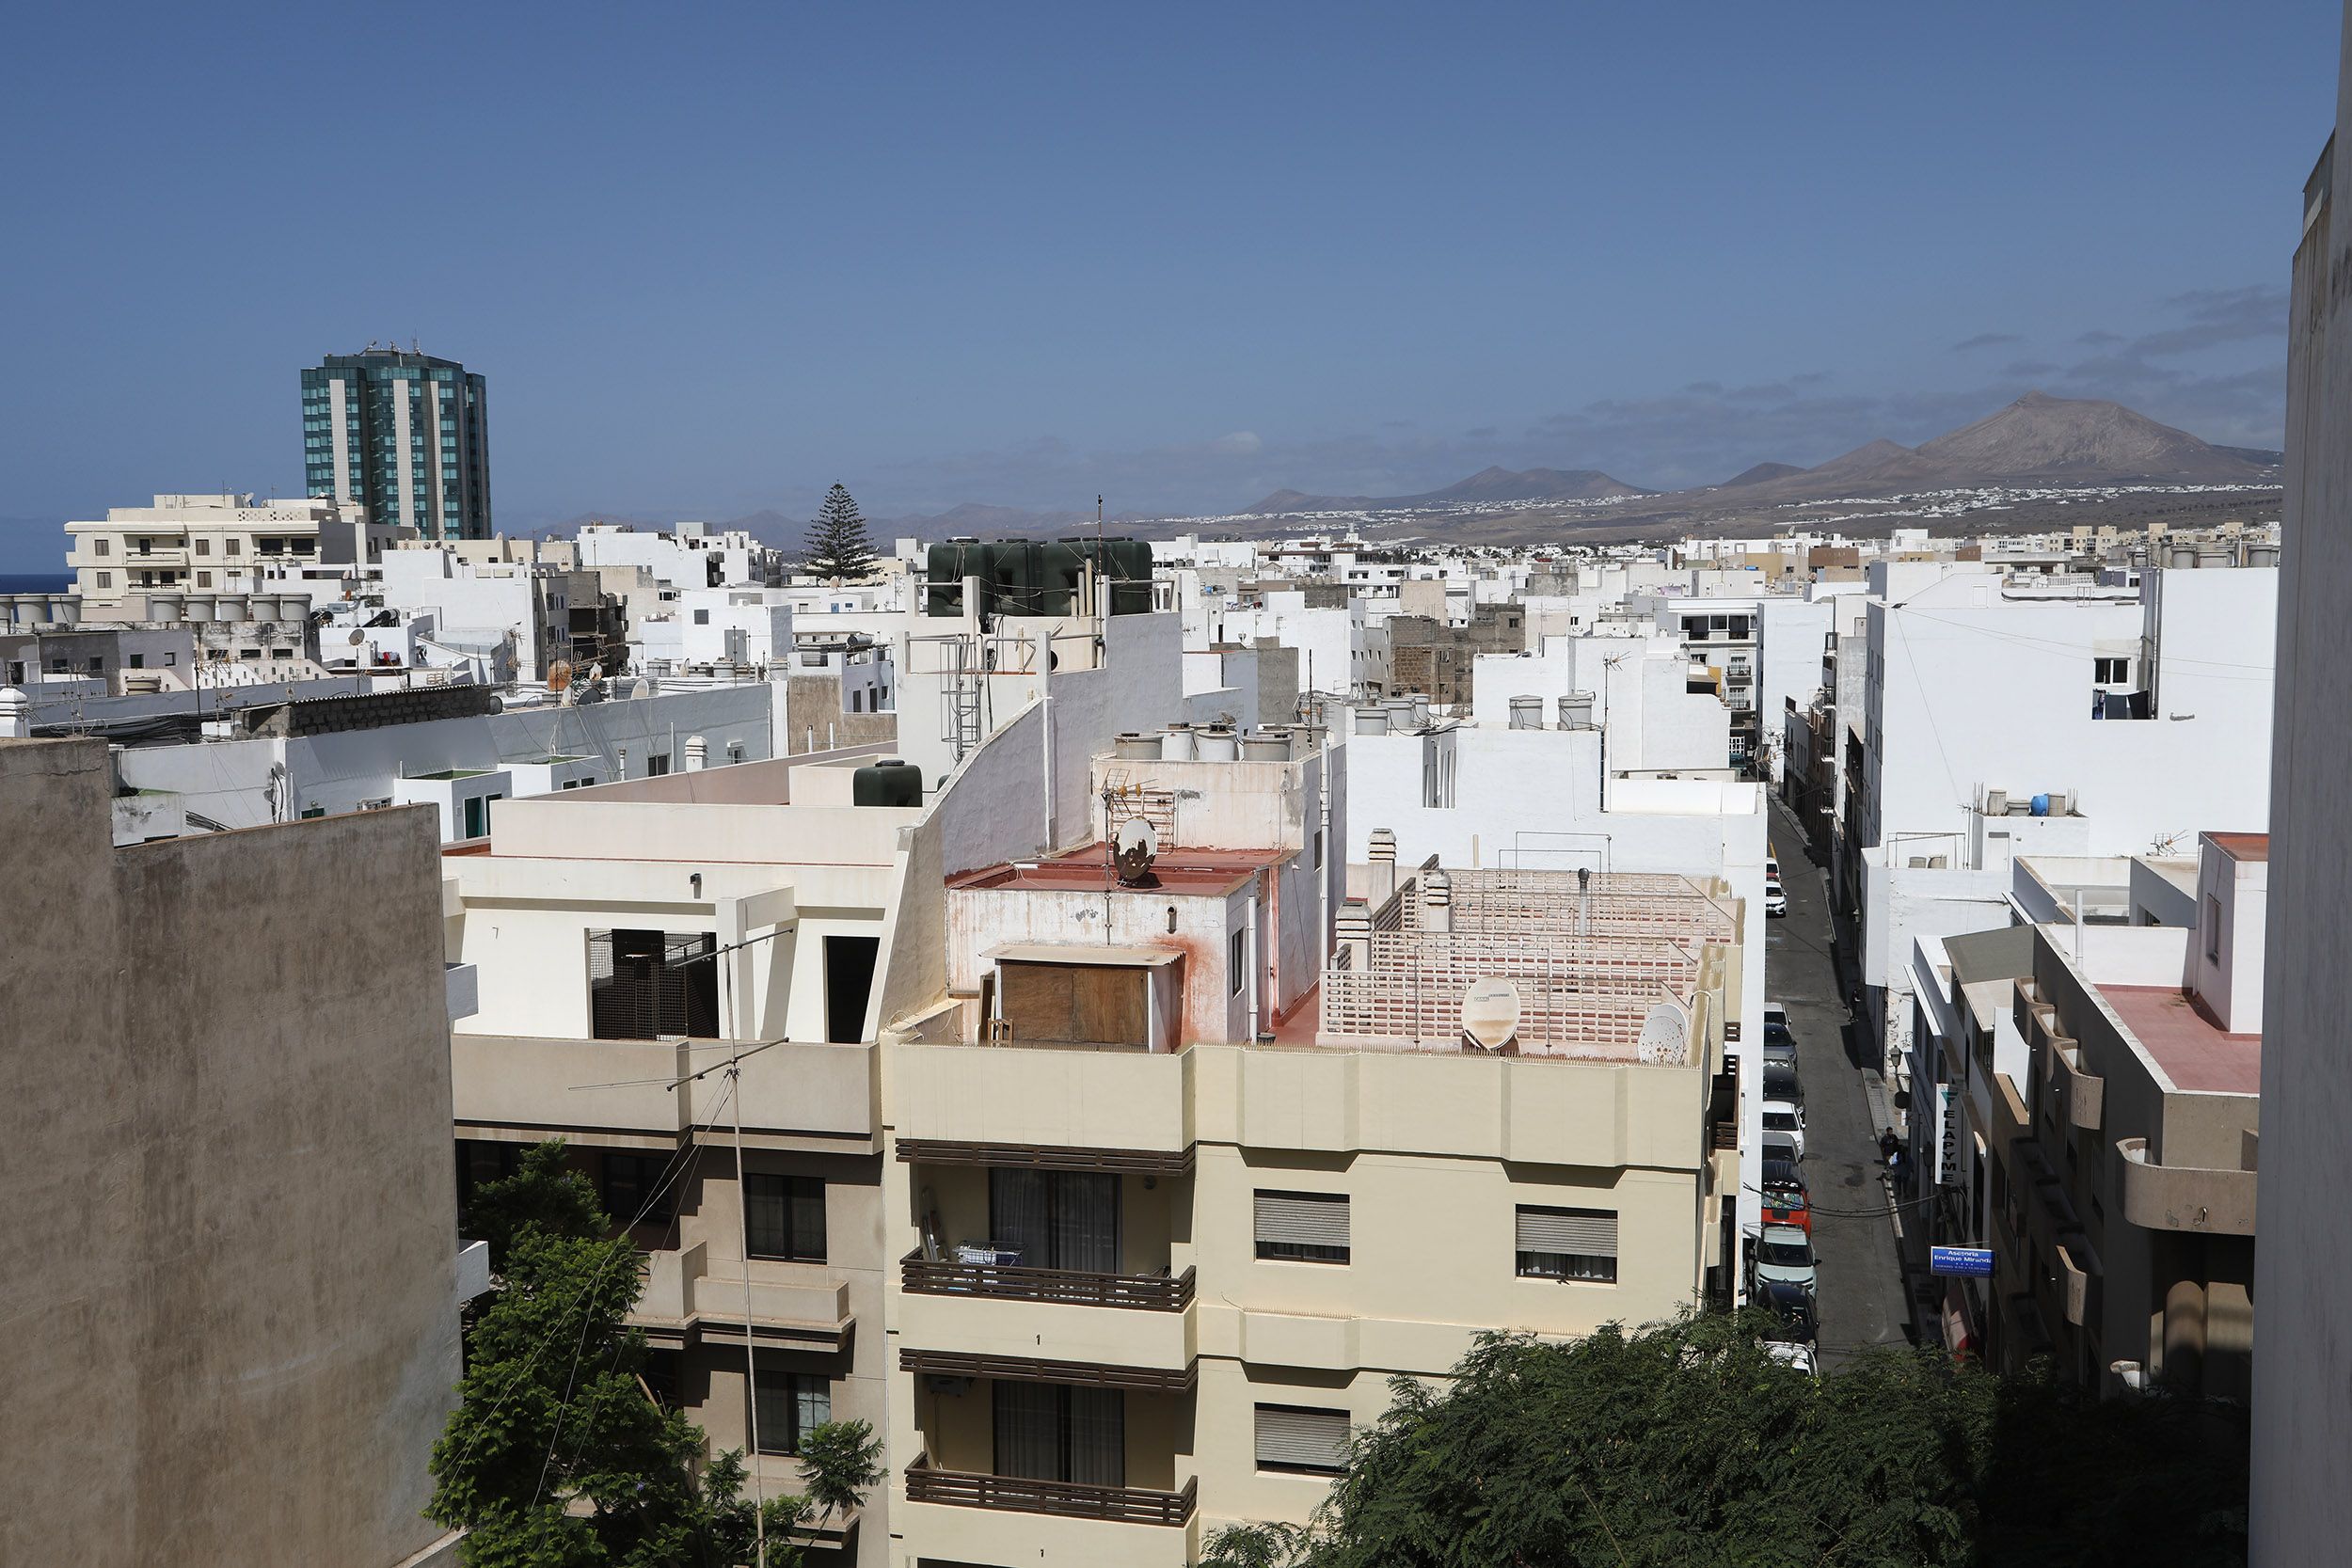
(1293, 1438)
(1303, 1219)
(1592, 1232)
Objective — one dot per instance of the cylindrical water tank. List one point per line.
(1372, 720)
(2041, 805)
(888, 782)
(2261, 555)
(1217, 743)
(1576, 711)
(1527, 713)
(1272, 745)
(1177, 743)
(2213, 555)
(2181, 556)
(1134, 747)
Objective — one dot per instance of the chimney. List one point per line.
(1352, 935)
(697, 753)
(1381, 885)
(1436, 900)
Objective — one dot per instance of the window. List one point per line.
(1056, 1219)
(2110, 671)
(1302, 1227)
(856, 699)
(477, 818)
(656, 764)
(203, 547)
(236, 546)
(784, 1216)
(633, 1191)
(1236, 963)
(735, 751)
(1318, 865)
(1567, 1244)
(2213, 928)
(1303, 1441)
(1058, 1431)
(56, 667)
(790, 1404)
(106, 579)
(170, 659)
(138, 661)
(646, 983)
(203, 579)
(101, 546)
(702, 617)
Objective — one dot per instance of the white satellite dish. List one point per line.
(357, 637)
(1490, 1013)
(1665, 1036)
(1133, 848)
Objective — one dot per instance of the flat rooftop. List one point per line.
(2242, 846)
(1087, 870)
(2191, 1049)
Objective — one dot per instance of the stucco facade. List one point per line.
(233, 1335)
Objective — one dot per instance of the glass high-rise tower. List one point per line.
(405, 434)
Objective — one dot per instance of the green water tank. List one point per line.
(890, 781)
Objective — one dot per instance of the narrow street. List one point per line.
(1863, 1300)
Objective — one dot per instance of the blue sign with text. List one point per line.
(1972, 1261)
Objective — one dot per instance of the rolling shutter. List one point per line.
(1303, 1219)
(1587, 1232)
(1293, 1438)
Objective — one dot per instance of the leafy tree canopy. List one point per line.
(1687, 1443)
(558, 1456)
(836, 545)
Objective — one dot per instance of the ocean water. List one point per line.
(35, 582)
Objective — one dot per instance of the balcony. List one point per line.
(1146, 1292)
(685, 1300)
(2083, 1094)
(1130, 1505)
(2191, 1198)
(2078, 1281)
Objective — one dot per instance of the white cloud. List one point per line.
(1240, 443)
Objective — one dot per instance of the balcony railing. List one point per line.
(1132, 1505)
(1149, 1293)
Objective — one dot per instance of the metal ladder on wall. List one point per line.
(959, 716)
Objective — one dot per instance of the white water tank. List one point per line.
(1177, 744)
(1372, 720)
(1527, 713)
(1217, 743)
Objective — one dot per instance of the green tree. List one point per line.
(836, 545)
(1689, 1443)
(544, 1192)
(841, 1462)
(557, 1455)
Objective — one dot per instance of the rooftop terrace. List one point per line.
(2193, 1050)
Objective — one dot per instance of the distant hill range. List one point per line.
(2038, 439)
(2038, 442)
(1487, 484)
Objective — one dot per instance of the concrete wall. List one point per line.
(2302, 1512)
(233, 1336)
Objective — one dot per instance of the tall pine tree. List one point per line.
(838, 545)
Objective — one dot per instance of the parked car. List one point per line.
(1787, 1208)
(1779, 1044)
(1775, 897)
(1792, 1304)
(1785, 1117)
(1798, 1355)
(1782, 1176)
(1780, 1145)
(1780, 1082)
(1783, 1255)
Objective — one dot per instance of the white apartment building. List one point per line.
(1662, 718)
(684, 555)
(482, 610)
(2006, 717)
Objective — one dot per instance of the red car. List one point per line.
(1787, 1208)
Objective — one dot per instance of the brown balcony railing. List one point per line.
(1147, 1293)
(1131, 1504)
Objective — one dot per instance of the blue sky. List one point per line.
(712, 258)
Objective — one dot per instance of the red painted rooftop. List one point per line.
(2189, 1046)
(1087, 870)
(2242, 846)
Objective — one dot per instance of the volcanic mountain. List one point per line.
(1492, 484)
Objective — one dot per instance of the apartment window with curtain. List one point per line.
(644, 985)
(1300, 1440)
(1567, 1244)
(1058, 1431)
(1302, 1227)
(784, 1216)
(790, 1404)
(1057, 1219)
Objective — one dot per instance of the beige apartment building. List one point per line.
(203, 544)
(1166, 1207)
(2110, 1077)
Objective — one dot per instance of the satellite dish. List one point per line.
(1665, 1036)
(1135, 847)
(1490, 1013)
(559, 674)
(357, 637)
